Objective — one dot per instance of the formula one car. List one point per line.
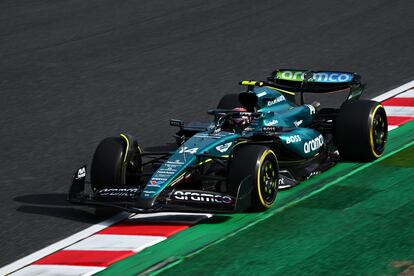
(259, 141)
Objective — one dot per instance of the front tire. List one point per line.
(261, 164)
(116, 162)
(106, 169)
(361, 130)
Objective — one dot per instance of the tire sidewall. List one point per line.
(247, 161)
(353, 135)
(267, 154)
(378, 109)
(107, 163)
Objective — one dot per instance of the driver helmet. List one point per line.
(241, 122)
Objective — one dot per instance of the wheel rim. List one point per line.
(379, 134)
(268, 181)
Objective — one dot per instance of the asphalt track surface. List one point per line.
(74, 72)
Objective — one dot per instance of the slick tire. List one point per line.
(229, 101)
(361, 130)
(260, 162)
(106, 169)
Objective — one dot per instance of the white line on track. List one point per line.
(62, 244)
(25, 261)
(394, 92)
(391, 127)
(116, 242)
(399, 110)
(83, 235)
(61, 270)
(407, 94)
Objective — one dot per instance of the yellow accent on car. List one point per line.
(262, 84)
(247, 83)
(282, 90)
(140, 151)
(259, 192)
(238, 143)
(203, 162)
(371, 131)
(235, 145)
(181, 176)
(127, 147)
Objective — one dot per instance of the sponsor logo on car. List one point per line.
(313, 145)
(270, 128)
(81, 173)
(148, 193)
(224, 147)
(272, 123)
(312, 109)
(202, 197)
(118, 192)
(177, 162)
(329, 77)
(216, 135)
(298, 123)
(279, 99)
(188, 150)
(171, 166)
(155, 183)
(244, 113)
(159, 179)
(163, 175)
(314, 173)
(292, 139)
(161, 171)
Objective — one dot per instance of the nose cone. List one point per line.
(173, 170)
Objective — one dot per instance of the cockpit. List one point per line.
(233, 120)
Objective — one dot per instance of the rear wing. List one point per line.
(307, 81)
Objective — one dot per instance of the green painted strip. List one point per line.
(222, 227)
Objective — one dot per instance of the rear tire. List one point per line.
(361, 130)
(106, 169)
(260, 162)
(229, 101)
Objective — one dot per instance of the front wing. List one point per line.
(128, 199)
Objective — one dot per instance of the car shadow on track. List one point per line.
(54, 199)
(56, 205)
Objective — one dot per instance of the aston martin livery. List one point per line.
(258, 142)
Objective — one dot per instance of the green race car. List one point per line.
(258, 142)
